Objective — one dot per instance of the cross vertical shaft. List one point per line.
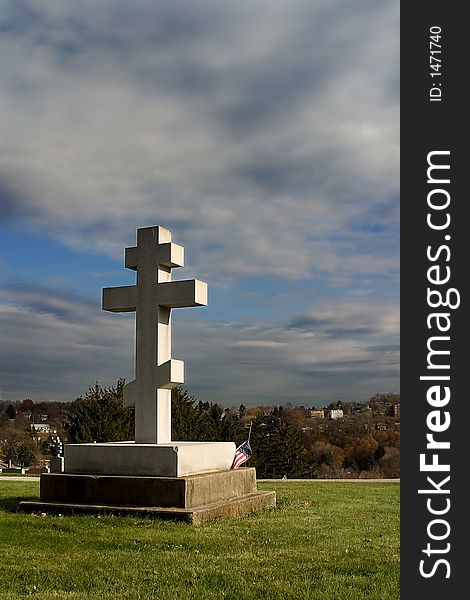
(153, 297)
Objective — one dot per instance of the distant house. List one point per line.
(334, 413)
(40, 428)
(39, 431)
(317, 414)
(363, 409)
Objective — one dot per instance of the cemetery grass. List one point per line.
(325, 541)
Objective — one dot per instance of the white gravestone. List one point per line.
(156, 373)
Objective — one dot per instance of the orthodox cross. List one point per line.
(152, 298)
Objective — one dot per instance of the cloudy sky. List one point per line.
(263, 133)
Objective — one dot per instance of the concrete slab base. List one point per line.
(194, 498)
(236, 507)
(175, 459)
(179, 492)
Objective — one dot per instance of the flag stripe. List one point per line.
(242, 454)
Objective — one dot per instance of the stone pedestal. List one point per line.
(194, 498)
(173, 459)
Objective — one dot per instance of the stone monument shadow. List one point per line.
(11, 503)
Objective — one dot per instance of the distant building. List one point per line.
(40, 428)
(334, 413)
(361, 409)
(317, 414)
(381, 426)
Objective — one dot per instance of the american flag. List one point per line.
(242, 454)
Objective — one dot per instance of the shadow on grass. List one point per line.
(10, 504)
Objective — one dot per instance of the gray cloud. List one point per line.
(61, 343)
(264, 134)
(269, 361)
(58, 344)
(260, 125)
(41, 300)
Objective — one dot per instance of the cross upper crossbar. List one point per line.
(174, 294)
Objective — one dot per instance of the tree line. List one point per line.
(284, 442)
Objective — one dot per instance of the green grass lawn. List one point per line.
(325, 541)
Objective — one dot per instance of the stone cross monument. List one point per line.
(152, 298)
(153, 475)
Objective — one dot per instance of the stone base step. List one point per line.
(196, 515)
(171, 492)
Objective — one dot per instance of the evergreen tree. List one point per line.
(188, 423)
(26, 456)
(203, 422)
(278, 451)
(231, 430)
(11, 453)
(100, 416)
(10, 411)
